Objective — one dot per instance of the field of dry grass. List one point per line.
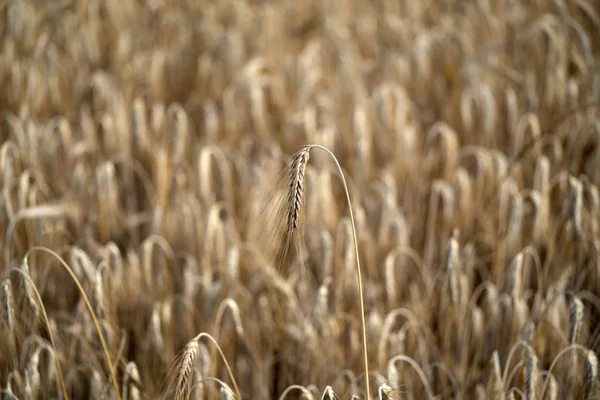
(144, 148)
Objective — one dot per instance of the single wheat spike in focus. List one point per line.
(186, 364)
(284, 205)
(296, 189)
(286, 224)
(185, 369)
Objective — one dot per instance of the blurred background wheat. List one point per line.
(141, 141)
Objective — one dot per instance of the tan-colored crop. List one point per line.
(136, 142)
(186, 367)
(295, 196)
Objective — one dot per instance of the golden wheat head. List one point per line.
(296, 187)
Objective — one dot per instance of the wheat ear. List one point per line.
(569, 348)
(185, 371)
(295, 196)
(187, 365)
(296, 187)
(47, 322)
(85, 298)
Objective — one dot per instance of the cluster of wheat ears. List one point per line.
(165, 234)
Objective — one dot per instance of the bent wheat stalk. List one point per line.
(38, 298)
(304, 391)
(295, 197)
(571, 347)
(88, 304)
(186, 367)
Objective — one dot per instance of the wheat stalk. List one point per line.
(90, 309)
(295, 196)
(188, 361)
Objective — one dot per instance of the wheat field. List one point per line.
(160, 237)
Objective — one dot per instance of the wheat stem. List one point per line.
(206, 335)
(304, 154)
(47, 322)
(89, 307)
